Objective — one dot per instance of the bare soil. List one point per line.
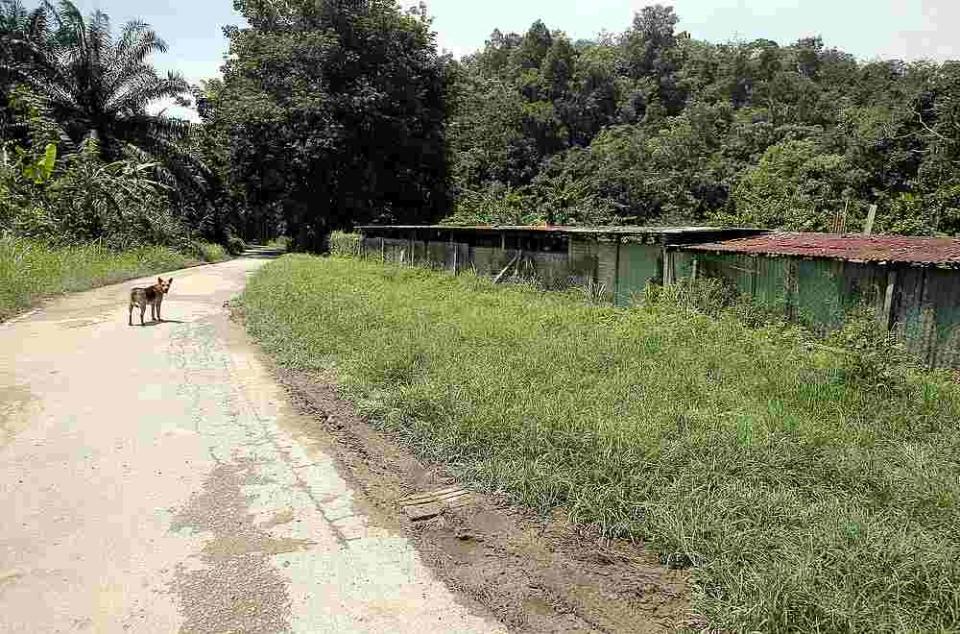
(534, 573)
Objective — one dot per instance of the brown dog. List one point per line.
(152, 295)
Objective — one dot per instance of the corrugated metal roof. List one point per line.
(621, 230)
(856, 248)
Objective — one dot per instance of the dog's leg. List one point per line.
(153, 311)
(143, 309)
(159, 306)
(130, 315)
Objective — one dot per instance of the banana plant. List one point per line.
(39, 170)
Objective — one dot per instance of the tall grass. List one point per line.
(30, 270)
(804, 497)
(342, 243)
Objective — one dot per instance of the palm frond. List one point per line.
(93, 83)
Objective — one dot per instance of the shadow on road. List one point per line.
(154, 324)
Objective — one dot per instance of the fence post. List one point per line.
(871, 216)
(616, 274)
(667, 266)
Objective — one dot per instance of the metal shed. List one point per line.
(913, 283)
(618, 261)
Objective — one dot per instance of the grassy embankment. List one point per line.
(30, 271)
(806, 495)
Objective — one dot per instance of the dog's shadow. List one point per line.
(154, 324)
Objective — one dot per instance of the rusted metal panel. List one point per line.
(395, 250)
(927, 314)
(490, 260)
(771, 284)
(944, 297)
(436, 254)
(819, 302)
(854, 248)
(684, 265)
(582, 257)
(549, 270)
(607, 256)
(865, 284)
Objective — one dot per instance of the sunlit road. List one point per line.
(154, 479)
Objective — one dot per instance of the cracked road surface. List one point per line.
(154, 479)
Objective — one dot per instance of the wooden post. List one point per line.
(693, 268)
(871, 216)
(383, 252)
(888, 299)
(616, 274)
(667, 266)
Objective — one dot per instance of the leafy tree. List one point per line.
(333, 113)
(795, 186)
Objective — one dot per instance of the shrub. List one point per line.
(874, 356)
(86, 200)
(236, 245)
(210, 252)
(344, 244)
(282, 243)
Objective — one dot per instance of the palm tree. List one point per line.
(92, 84)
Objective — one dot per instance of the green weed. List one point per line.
(342, 243)
(805, 497)
(31, 270)
(211, 252)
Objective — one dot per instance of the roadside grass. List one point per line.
(805, 498)
(211, 252)
(282, 243)
(30, 271)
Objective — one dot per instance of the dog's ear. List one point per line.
(160, 279)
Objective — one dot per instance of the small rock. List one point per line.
(423, 511)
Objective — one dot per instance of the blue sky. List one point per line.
(906, 29)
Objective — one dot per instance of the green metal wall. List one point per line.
(924, 306)
(637, 266)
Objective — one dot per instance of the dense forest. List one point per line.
(652, 125)
(330, 114)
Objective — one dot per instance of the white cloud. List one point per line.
(168, 108)
(936, 36)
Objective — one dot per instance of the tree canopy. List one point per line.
(651, 125)
(332, 113)
(91, 83)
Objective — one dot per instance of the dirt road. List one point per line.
(154, 479)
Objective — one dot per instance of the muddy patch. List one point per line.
(234, 587)
(535, 574)
(17, 405)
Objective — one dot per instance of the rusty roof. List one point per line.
(855, 248)
(626, 229)
(566, 229)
